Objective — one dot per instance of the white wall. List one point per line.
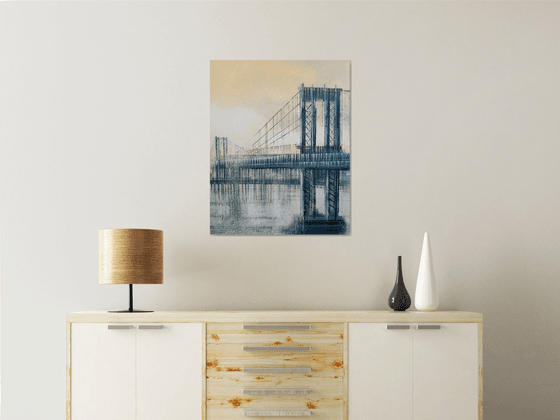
(456, 131)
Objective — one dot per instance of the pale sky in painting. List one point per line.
(245, 94)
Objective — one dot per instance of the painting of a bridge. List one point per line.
(280, 148)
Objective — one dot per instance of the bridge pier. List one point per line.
(221, 150)
(332, 194)
(308, 208)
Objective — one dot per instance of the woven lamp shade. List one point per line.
(130, 256)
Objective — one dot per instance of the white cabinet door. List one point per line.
(446, 372)
(169, 371)
(379, 372)
(103, 362)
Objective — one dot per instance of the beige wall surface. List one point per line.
(455, 130)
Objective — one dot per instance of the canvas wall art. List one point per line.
(279, 147)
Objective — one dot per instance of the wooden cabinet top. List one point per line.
(276, 316)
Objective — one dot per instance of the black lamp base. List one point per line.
(130, 308)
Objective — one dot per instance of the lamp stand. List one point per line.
(130, 305)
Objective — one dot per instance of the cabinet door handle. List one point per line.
(276, 391)
(119, 327)
(268, 348)
(276, 327)
(275, 370)
(277, 413)
(397, 327)
(150, 327)
(429, 327)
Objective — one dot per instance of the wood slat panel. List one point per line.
(223, 394)
(325, 368)
(232, 414)
(230, 405)
(277, 413)
(329, 386)
(276, 391)
(236, 354)
(277, 370)
(323, 335)
(276, 327)
(276, 347)
(278, 339)
(307, 380)
(321, 363)
(237, 328)
(239, 415)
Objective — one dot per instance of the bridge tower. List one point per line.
(309, 98)
(221, 150)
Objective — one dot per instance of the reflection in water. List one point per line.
(246, 208)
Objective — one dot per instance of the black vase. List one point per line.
(399, 300)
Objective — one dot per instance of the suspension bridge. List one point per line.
(305, 142)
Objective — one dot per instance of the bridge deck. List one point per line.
(334, 161)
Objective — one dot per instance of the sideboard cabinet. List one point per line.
(336, 365)
(413, 371)
(131, 371)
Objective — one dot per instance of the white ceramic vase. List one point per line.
(426, 298)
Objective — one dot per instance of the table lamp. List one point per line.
(130, 256)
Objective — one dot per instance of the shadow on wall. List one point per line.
(520, 307)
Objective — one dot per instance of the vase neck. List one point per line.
(399, 270)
